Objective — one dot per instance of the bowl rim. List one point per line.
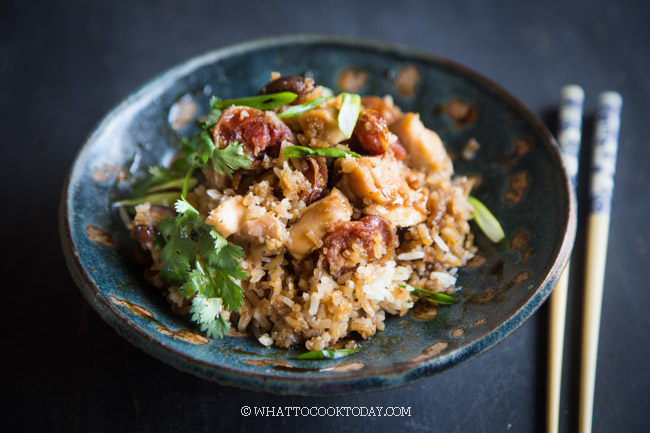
(345, 382)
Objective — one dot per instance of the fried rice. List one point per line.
(331, 245)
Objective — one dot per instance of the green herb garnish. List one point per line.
(486, 221)
(327, 354)
(435, 297)
(296, 110)
(174, 184)
(308, 152)
(194, 256)
(161, 187)
(230, 159)
(261, 102)
(349, 113)
(431, 296)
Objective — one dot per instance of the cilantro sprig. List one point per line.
(194, 257)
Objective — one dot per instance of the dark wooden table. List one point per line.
(65, 64)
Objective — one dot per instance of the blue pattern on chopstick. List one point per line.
(608, 123)
(570, 130)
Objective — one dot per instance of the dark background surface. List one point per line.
(63, 65)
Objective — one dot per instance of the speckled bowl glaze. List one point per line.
(523, 183)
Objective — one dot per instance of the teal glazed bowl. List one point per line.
(522, 180)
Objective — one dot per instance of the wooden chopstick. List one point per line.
(602, 187)
(569, 135)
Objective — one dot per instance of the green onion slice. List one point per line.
(327, 354)
(349, 113)
(486, 221)
(438, 298)
(295, 110)
(308, 152)
(261, 102)
(431, 296)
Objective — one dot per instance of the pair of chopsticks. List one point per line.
(602, 185)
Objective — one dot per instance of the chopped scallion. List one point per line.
(486, 221)
(431, 296)
(327, 152)
(295, 110)
(327, 354)
(261, 102)
(349, 113)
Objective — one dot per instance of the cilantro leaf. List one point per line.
(178, 251)
(161, 175)
(207, 313)
(230, 291)
(196, 281)
(230, 159)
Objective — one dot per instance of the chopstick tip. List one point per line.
(610, 97)
(573, 91)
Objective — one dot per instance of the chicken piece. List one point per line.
(369, 179)
(228, 216)
(354, 243)
(400, 216)
(384, 106)
(306, 235)
(379, 183)
(321, 124)
(266, 229)
(261, 132)
(423, 146)
(374, 179)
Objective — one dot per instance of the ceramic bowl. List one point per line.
(522, 181)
